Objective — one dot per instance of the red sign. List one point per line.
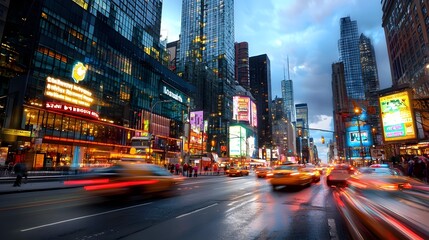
(72, 109)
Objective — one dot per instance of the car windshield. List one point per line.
(379, 171)
(287, 167)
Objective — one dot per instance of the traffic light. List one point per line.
(299, 132)
(323, 140)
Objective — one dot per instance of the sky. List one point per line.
(306, 32)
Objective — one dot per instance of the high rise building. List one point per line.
(339, 100)
(86, 78)
(406, 27)
(242, 64)
(260, 87)
(348, 46)
(303, 133)
(207, 42)
(289, 102)
(370, 82)
(287, 95)
(369, 66)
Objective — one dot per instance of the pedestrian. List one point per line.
(190, 168)
(177, 167)
(18, 172)
(24, 172)
(185, 169)
(195, 171)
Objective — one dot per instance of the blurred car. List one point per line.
(129, 178)
(263, 172)
(237, 171)
(379, 171)
(383, 181)
(314, 171)
(339, 174)
(290, 175)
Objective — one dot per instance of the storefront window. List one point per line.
(71, 128)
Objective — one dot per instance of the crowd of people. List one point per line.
(413, 166)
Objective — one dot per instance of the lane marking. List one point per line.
(242, 195)
(195, 211)
(241, 204)
(83, 217)
(332, 229)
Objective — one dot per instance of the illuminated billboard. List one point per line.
(354, 134)
(68, 92)
(197, 121)
(241, 108)
(254, 115)
(397, 117)
(237, 141)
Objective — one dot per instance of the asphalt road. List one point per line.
(217, 207)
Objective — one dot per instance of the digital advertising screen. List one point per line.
(237, 141)
(197, 121)
(241, 108)
(354, 134)
(254, 115)
(397, 117)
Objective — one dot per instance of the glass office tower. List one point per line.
(87, 76)
(348, 47)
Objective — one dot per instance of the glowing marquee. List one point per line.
(72, 109)
(68, 92)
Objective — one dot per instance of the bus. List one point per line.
(140, 145)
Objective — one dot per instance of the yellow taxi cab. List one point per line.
(314, 171)
(290, 175)
(129, 178)
(238, 171)
(263, 172)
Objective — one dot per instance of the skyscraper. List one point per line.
(207, 48)
(207, 35)
(370, 82)
(260, 85)
(289, 103)
(348, 46)
(303, 131)
(406, 27)
(242, 64)
(339, 97)
(369, 66)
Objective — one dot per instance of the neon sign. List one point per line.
(68, 92)
(79, 72)
(72, 109)
(171, 94)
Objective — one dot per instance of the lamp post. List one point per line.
(150, 124)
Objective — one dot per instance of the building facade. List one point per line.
(289, 102)
(207, 41)
(242, 64)
(260, 87)
(348, 47)
(89, 77)
(371, 85)
(303, 132)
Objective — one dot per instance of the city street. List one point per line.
(207, 207)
